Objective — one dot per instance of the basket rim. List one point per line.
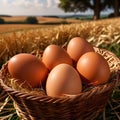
(94, 90)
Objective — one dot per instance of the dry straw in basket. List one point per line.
(85, 106)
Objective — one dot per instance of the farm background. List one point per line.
(15, 39)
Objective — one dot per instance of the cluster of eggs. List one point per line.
(63, 70)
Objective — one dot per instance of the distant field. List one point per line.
(40, 19)
(5, 28)
(15, 18)
(48, 21)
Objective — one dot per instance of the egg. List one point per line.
(54, 55)
(77, 46)
(63, 79)
(28, 69)
(93, 68)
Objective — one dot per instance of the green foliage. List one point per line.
(31, 20)
(115, 48)
(96, 5)
(72, 5)
(2, 21)
(111, 3)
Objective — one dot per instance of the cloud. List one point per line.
(57, 1)
(5, 2)
(22, 3)
(35, 7)
(49, 3)
(31, 3)
(52, 3)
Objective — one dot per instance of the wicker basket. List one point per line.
(85, 106)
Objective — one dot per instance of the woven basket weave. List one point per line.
(85, 106)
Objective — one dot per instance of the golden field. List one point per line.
(6, 28)
(103, 33)
(26, 38)
(41, 20)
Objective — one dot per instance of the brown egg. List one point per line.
(63, 79)
(28, 69)
(54, 55)
(77, 47)
(93, 68)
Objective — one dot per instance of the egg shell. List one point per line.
(93, 68)
(28, 69)
(77, 47)
(54, 55)
(63, 79)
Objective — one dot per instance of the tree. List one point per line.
(31, 20)
(82, 5)
(2, 21)
(72, 5)
(116, 7)
(114, 4)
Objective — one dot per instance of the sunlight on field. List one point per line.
(103, 33)
(43, 23)
(40, 19)
(18, 27)
(14, 18)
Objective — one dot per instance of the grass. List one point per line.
(103, 33)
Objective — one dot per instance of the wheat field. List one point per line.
(42, 23)
(99, 33)
(41, 19)
(102, 33)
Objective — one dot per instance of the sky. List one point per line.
(31, 7)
